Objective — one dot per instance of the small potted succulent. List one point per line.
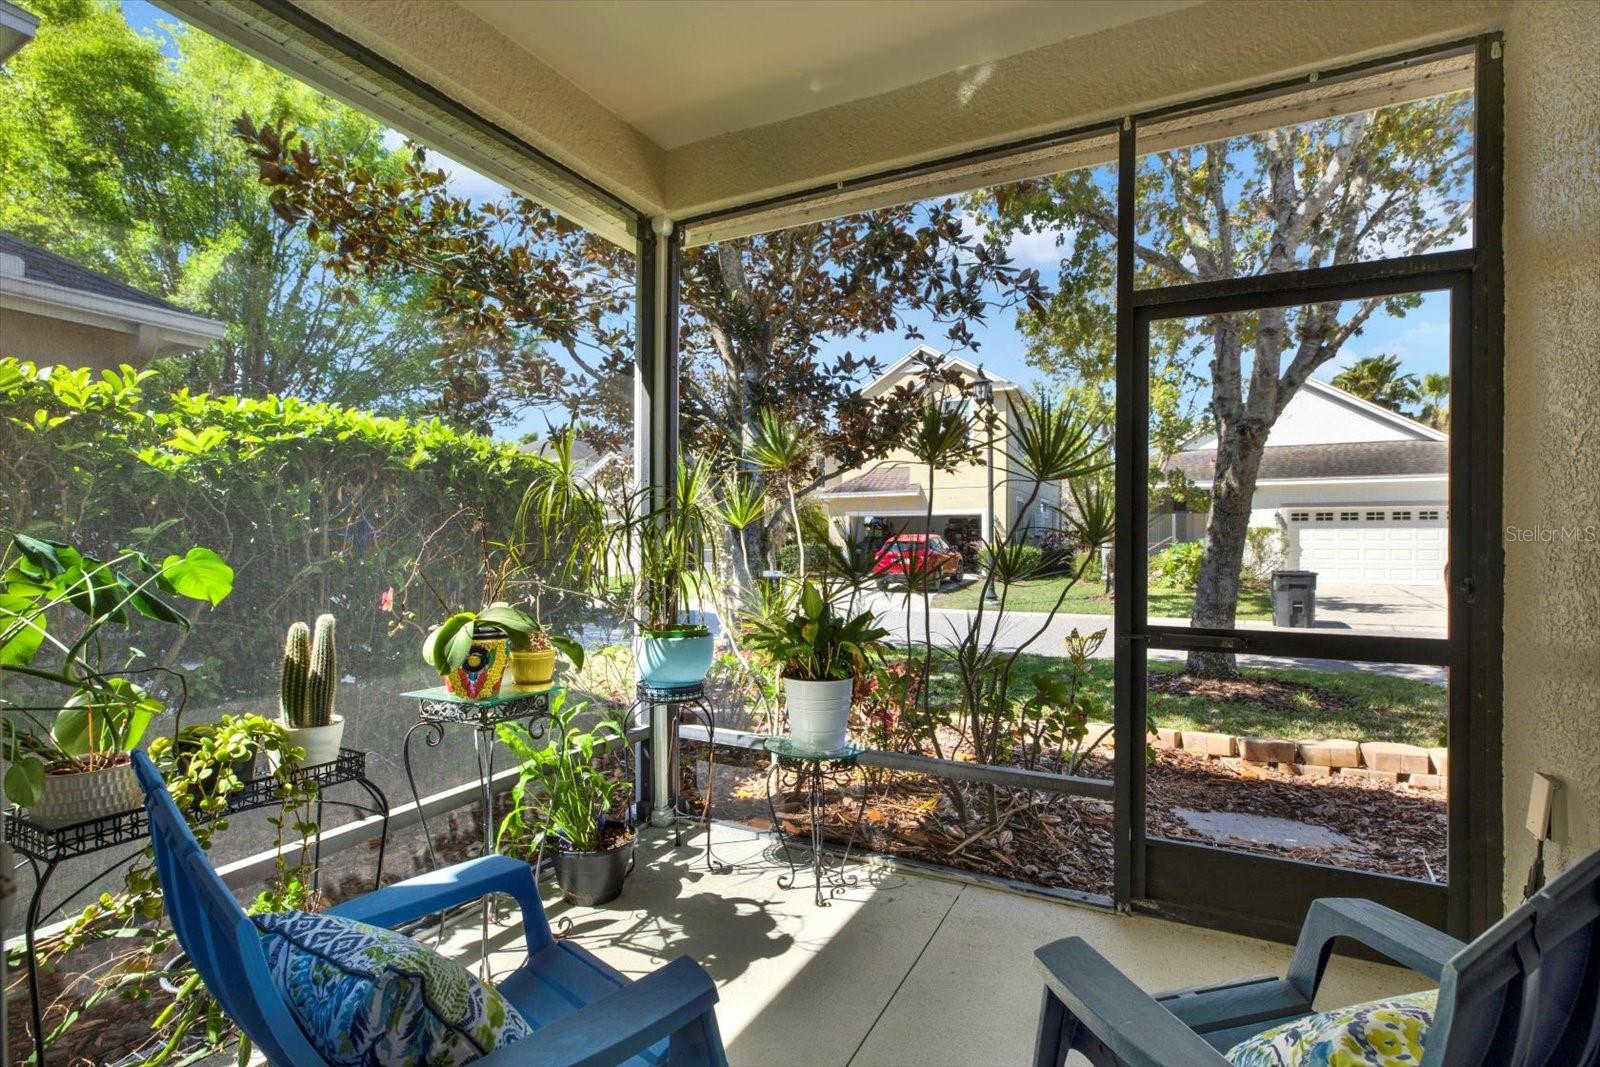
(533, 655)
(306, 694)
(471, 649)
(819, 653)
(73, 766)
(565, 800)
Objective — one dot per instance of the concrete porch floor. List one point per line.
(905, 968)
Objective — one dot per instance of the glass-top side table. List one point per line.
(438, 708)
(815, 771)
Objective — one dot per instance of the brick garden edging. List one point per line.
(1389, 762)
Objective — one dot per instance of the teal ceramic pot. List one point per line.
(670, 662)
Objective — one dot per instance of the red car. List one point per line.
(927, 554)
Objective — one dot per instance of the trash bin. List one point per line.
(1294, 598)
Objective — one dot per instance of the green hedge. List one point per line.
(318, 508)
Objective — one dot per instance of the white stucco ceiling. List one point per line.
(685, 71)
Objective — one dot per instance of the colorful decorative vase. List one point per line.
(485, 665)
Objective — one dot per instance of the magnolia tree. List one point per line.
(1342, 190)
(768, 321)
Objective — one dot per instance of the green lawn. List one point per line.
(1354, 704)
(1088, 598)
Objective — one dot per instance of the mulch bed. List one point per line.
(1065, 842)
(1266, 692)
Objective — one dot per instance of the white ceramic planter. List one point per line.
(819, 713)
(68, 799)
(320, 742)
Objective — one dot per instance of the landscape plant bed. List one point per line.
(1392, 829)
(1064, 842)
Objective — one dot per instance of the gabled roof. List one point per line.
(885, 381)
(1355, 459)
(1377, 413)
(17, 28)
(42, 265)
(892, 480)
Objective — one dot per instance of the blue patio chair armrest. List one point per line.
(447, 887)
(624, 1023)
(1397, 937)
(1132, 1026)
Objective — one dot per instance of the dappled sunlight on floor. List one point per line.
(903, 968)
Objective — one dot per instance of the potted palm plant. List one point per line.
(306, 693)
(565, 799)
(819, 652)
(68, 757)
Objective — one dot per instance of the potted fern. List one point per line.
(306, 694)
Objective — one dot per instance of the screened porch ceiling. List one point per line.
(608, 112)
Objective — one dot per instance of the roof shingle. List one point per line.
(41, 265)
(1353, 459)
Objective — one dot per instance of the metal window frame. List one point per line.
(1208, 884)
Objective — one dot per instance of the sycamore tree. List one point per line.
(1341, 190)
(116, 151)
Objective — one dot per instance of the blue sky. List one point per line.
(1420, 338)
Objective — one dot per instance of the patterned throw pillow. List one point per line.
(370, 997)
(1382, 1033)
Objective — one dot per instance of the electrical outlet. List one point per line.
(1541, 805)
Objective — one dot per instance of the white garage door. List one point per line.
(1370, 545)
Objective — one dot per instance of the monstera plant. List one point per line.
(67, 742)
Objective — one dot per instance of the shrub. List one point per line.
(1178, 566)
(317, 507)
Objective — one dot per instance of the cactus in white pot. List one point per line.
(306, 691)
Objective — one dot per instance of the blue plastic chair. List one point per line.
(585, 1012)
(1525, 993)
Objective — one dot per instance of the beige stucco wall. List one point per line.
(75, 344)
(1552, 465)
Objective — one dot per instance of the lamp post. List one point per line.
(983, 392)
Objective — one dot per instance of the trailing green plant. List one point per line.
(90, 712)
(563, 791)
(199, 765)
(816, 643)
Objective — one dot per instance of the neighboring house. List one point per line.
(53, 311)
(895, 488)
(17, 28)
(1359, 492)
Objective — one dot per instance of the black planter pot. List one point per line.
(591, 878)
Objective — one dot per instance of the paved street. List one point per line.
(1406, 611)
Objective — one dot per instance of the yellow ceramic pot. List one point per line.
(533, 668)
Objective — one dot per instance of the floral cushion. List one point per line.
(374, 998)
(1381, 1033)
